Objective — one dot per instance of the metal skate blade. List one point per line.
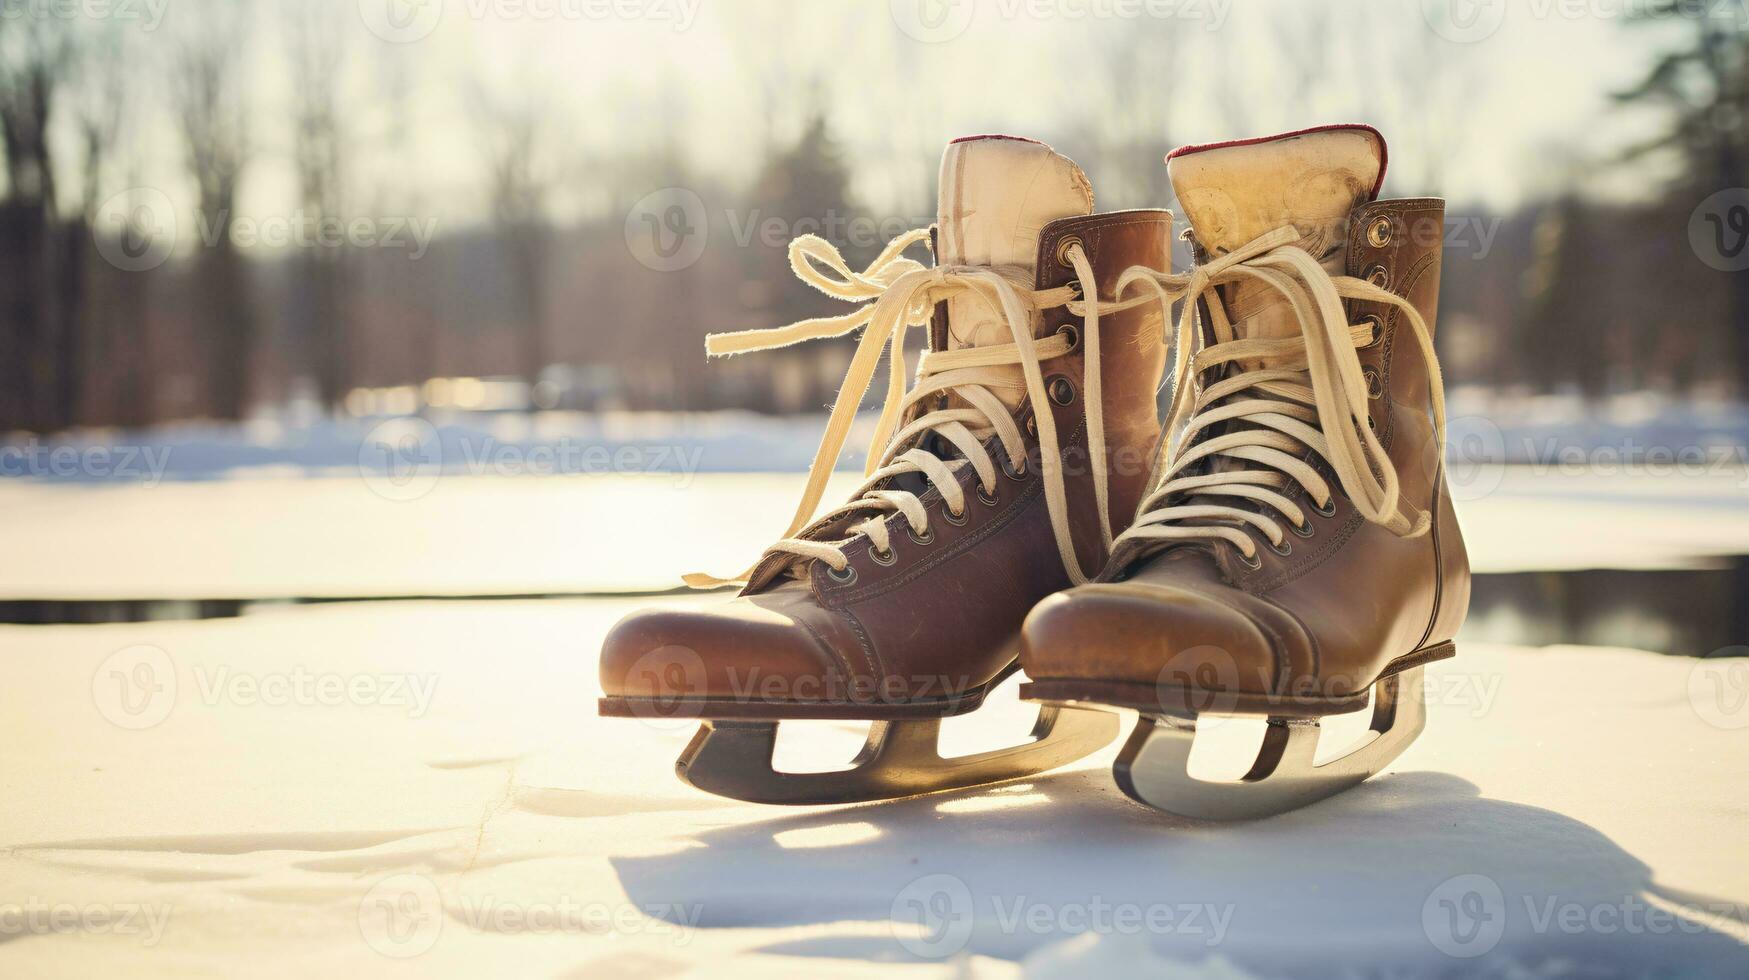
(900, 758)
(1154, 766)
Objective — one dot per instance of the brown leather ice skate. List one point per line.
(999, 477)
(1298, 548)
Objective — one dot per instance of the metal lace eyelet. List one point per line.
(1284, 549)
(1068, 330)
(1253, 561)
(1305, 530)
(1379, 276)
(988, 498)
(1032, 426)
(1378, 330)
(1013, 470)
(882, 557)
(1062, 390)
(1063, 246)
(1374, 387)
(927, 537)
(844, 577)
(1378, 234)
(1329, 508)
(957, 520)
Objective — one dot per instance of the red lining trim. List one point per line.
(995, 136)
(1384, 149)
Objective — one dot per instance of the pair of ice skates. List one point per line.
(1282, 546)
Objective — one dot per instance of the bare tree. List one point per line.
(210, 84)
(1701, 86)
(514, 131)
(98, 102)
(315, 46)
(34, 64)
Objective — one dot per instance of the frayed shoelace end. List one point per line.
(700, 580)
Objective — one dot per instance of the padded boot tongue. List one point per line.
(997, 195)
(1233, 193)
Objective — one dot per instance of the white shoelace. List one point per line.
(903, 294)
(1311, 394)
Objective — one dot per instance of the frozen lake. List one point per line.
(359, 536)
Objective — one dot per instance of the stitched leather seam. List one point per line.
(1329, 549)
(1280, 648)
(976, 537)
(1439, 503)
(1033, 488)
(877, 666)
(1095, 225)
(1410, 281)
(837, 659)
(1357, 252)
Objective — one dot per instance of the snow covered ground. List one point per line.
(423, 789)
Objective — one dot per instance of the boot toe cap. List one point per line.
(736, 649)
(1149, 634)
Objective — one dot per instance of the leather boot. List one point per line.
(999, 476)
(1298, 550)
